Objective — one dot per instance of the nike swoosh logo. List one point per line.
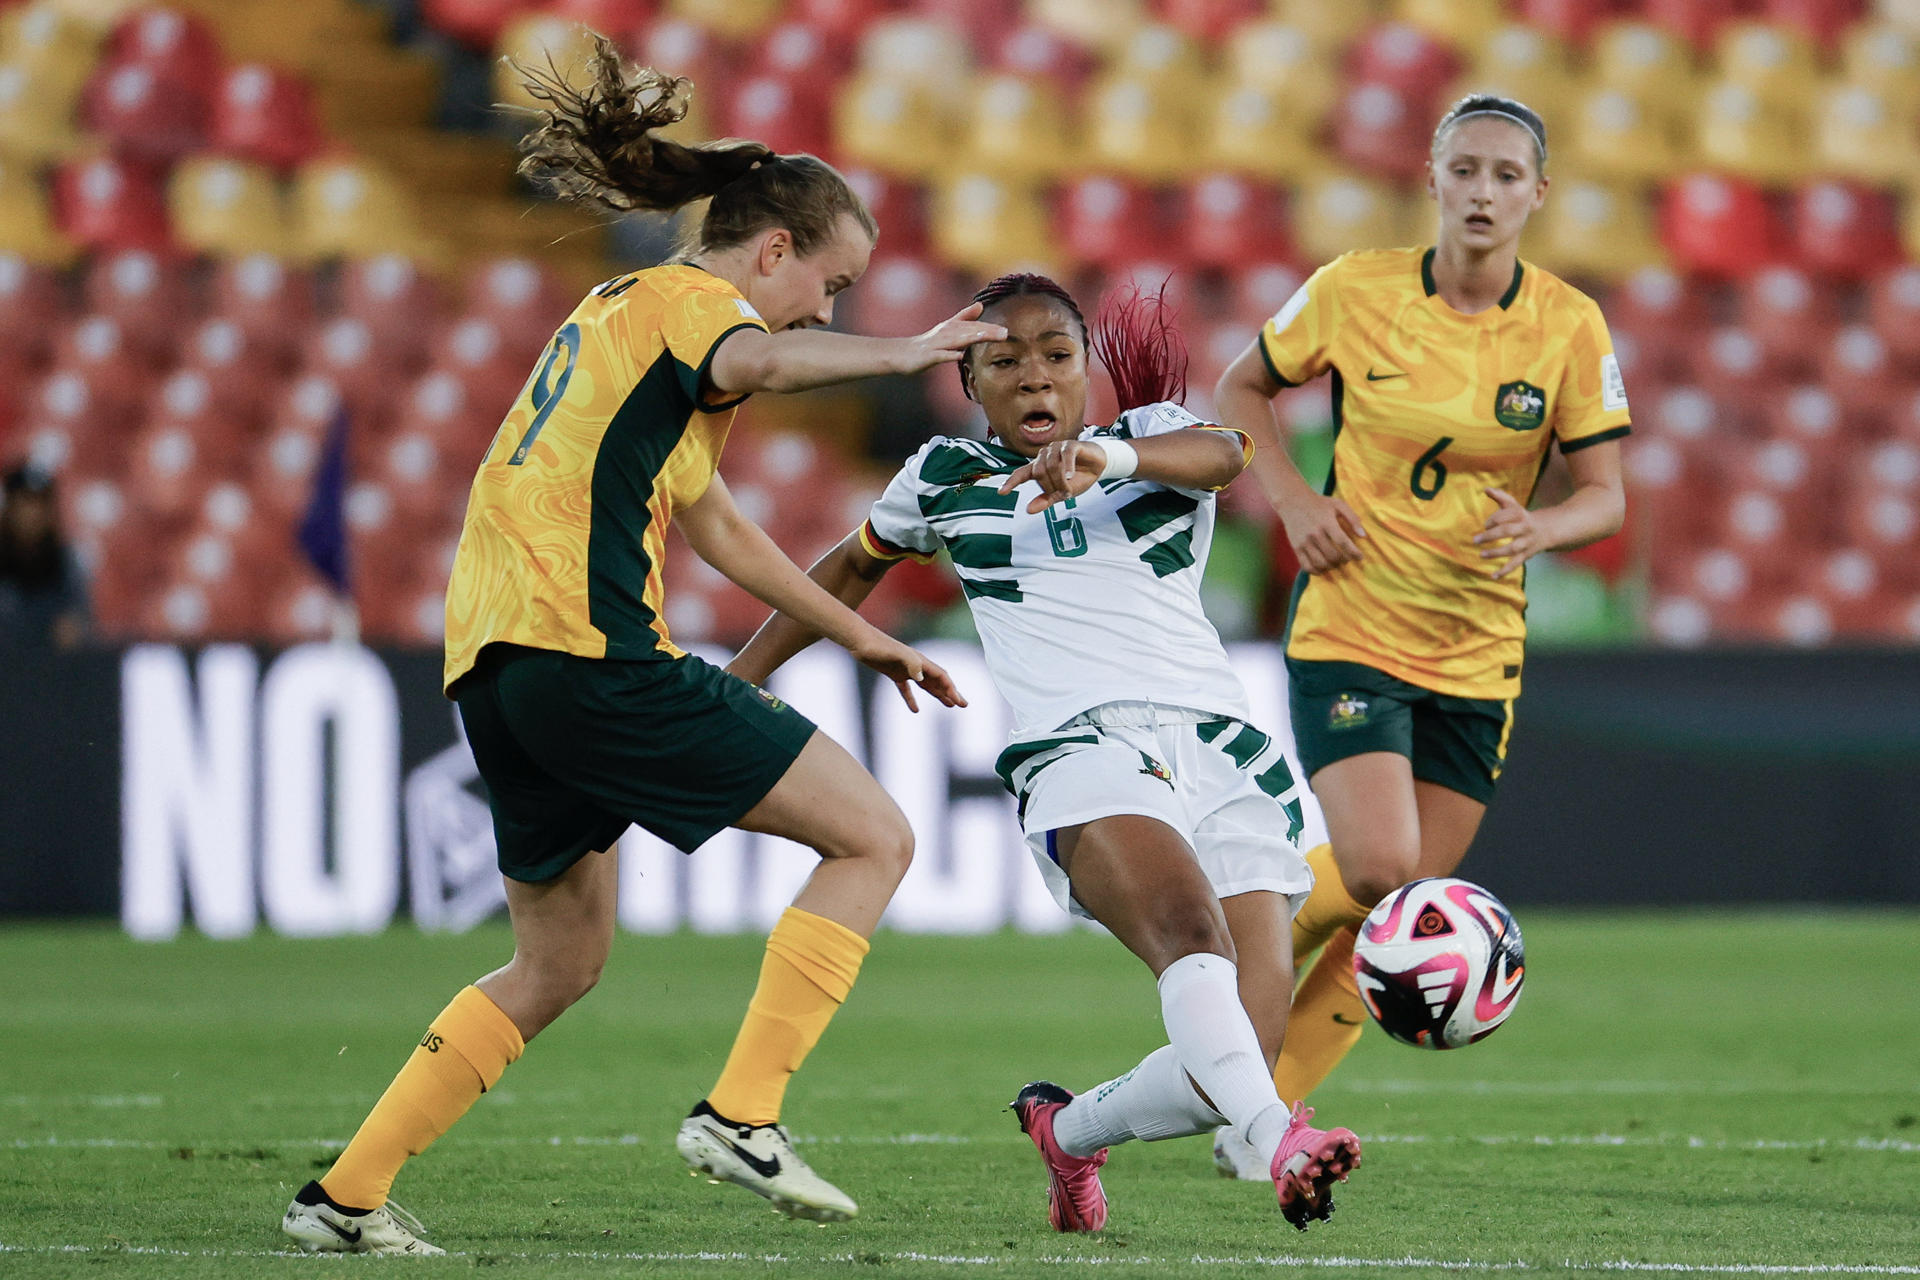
(1382, 377)
(351, 1237)
(769, 1168)
(1349, 1022)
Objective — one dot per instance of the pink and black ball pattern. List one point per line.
(1440, 963)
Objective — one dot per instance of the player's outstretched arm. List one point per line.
(741, 550)
(799, 359)
(1324, 531)
(1193, 458)
(847, 573)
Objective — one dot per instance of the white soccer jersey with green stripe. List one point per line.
(1091, 601)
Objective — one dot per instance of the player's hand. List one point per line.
(947, 341)
(1065, 469)
(1511, 533)
(1324, 532)
(906, 667)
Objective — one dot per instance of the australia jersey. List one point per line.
(1093, 600)
(1431, 408)
(611, 435)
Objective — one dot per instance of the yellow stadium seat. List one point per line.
(36, 113)
(1861, 133)
(1776, 63)
(1615, 136)
(730, 19)
(26, 223)
(985, 226)
(1273, 55)
(1262, 131)
(1910, 226)
(1018, 128)
(1328, 25)
(1103, 25)
(1333, 213)
(1137, 125)
(894, 126)
(1155, 49)
(1643, 60)
(1737, 130)
(226, 207)
(100, 16)
(537, 40)
(1884, 58)
(59, 48)
(1463, 22)
(347, 208)
(1526, 64)
(932, 57)
(1594, 231)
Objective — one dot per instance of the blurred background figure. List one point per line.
(43, 593)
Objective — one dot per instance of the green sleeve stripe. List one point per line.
(992, 588)
(1149, 512)
(1266, 358)
(1172, 555)
(1612, 433)
(981, 550)
(963, 499)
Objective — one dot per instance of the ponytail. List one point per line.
(596, 145)
(1134, 336)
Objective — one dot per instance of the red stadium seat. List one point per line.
(1822, 21)
(1719, 227)
(1732, 365)
(1844, 230)
(1892, 467)
(438, 404)
(1230, 222)
(1790, 314)
(1571, 20)
(366, 371)
(1663, 315)
(1209, 20)
(785, 113)
(900, 295)
(1893, 309)
(619, 19)
(145, 114)
(1857, 368)
(188, 399)
(32, 303)
(298, 608)
(475, 23)
(179, 46)
(687, 49)
(1259, 291)
(415, 469)
(475, 351)
(1382, 130)
(269, 298)
(980, 20)
(148, 295)
(895, 205)
(169, 473)
(246, 372)
(107, 204)
(1809, 414)
(801, 51)
(1416, 64)
(392, 296)
(1695, 21)
(266, 114)
(1106, 221)
(840, 21)
(526, 299)
(281, 468)
(1039, 52)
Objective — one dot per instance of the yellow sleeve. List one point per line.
(1298, 341)
(1592, 404)
(692, 325)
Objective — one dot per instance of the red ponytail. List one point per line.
(1135, 338)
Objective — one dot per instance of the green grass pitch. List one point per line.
(1678, 1092)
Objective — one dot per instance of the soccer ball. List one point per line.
(1439, 963)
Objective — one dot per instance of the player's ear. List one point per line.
(966, 377)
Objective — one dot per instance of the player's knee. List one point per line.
(562, 982)
(1379, 873)
(892, 846)
(1191, 929)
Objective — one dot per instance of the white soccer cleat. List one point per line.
(1235, 1157)
(761, 1158)
(319, 1225)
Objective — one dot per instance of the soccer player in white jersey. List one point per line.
(1151, 804)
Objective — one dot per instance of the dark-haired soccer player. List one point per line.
(1150, 802)
(1455, 369)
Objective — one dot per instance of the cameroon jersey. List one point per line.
(1431, 408)
(611, 435)
(1093, 600)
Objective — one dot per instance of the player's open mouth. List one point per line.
(1038, 426)
(1480, 220)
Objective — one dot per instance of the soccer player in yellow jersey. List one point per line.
(583, 715)
(1455, 370)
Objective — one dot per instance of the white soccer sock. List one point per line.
(1155, 1100)
(1210, 1030)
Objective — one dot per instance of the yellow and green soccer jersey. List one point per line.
(565, 523)
(1430, 409)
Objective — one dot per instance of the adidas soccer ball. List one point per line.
(1439, 963)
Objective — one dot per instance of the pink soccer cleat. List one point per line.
(1307, 1165)
(1075, 1199)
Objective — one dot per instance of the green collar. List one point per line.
(1426, 280)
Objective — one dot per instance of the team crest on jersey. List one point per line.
(1519, 406)
(1154, 769)
(1349, 712)
(770, 700)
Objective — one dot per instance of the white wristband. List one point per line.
(1122, 459)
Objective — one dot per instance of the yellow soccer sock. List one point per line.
(810, 966)
(462, 1056)
(1326, 1021)
(1329, 907)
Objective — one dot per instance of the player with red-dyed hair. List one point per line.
(1150, 802)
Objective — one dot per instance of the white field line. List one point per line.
(1897, 1146)
(1408, 1263)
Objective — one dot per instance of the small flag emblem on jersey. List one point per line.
(746, 308)
(770, 700)
(1154, 769)
(1519, 406)
(1349, 712)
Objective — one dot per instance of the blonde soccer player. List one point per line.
(583, 715)
(1455, 369)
